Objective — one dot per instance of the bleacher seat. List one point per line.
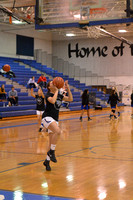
(27, 103)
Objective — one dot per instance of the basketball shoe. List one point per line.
(110, 116)
(51, 154)
(46, 164)
(80, 118)
(40, 129)
(89, 119)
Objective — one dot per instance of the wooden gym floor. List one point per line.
(95, 158)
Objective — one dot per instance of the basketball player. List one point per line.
(113, 98)
(85, 104)
(50, 118)
(132, 104)
(40, 105)
(117, 109)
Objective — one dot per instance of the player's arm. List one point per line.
(42, 92)
(70, 96)
(32, 94)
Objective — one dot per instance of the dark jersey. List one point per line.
(52, 110)
(132, 99)
(113, 99)
(40, 103)
(117, 96)
(85, 100)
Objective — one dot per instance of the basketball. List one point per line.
(58, 82)
(6, 68)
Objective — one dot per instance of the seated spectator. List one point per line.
(9, 74)
(2, 93)
(42, 81)
(2, 72)
(31, 83)
(13, 97)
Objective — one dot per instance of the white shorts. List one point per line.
(39, 112)
(47, 121)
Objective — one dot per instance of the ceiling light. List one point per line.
(70, 34)
(122, 31)
(76, 16)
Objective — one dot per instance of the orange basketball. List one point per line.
(6, 68)
(58, 82)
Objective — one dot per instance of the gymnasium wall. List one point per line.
(112, 60)
(8, 41)
(7, 44)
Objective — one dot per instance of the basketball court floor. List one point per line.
(95, 158)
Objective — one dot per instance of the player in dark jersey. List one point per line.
(40, 105)
(132, 104)
(113, 99)
(85, 104)
(117, 109)
(50, 118)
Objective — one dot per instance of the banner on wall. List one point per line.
(82, 52)
(126, 97)
(24, 45)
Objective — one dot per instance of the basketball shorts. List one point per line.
(46, 121)
(113, 107)
(85, 108)
(39, 112)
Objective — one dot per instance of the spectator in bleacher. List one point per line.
(13, 97)
(42, 81)
(2, 72)
(85, 104)
(40, 105)
(31, 83)
(2, 93)
(10, 73)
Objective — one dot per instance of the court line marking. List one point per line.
(17, 125)
(90, 148)
(41, 195)
(57, 156)
(13, 152)
(105, 114)
(18, 140)
(41, 161)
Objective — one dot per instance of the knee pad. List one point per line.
(113, 111)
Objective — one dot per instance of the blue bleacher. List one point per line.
(27, 103)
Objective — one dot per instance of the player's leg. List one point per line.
(117, 109)
(39, 119)
(82, 112)
(54, 133)
(132, 110)
(46, 163)
(88, 112)
(114, 112)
